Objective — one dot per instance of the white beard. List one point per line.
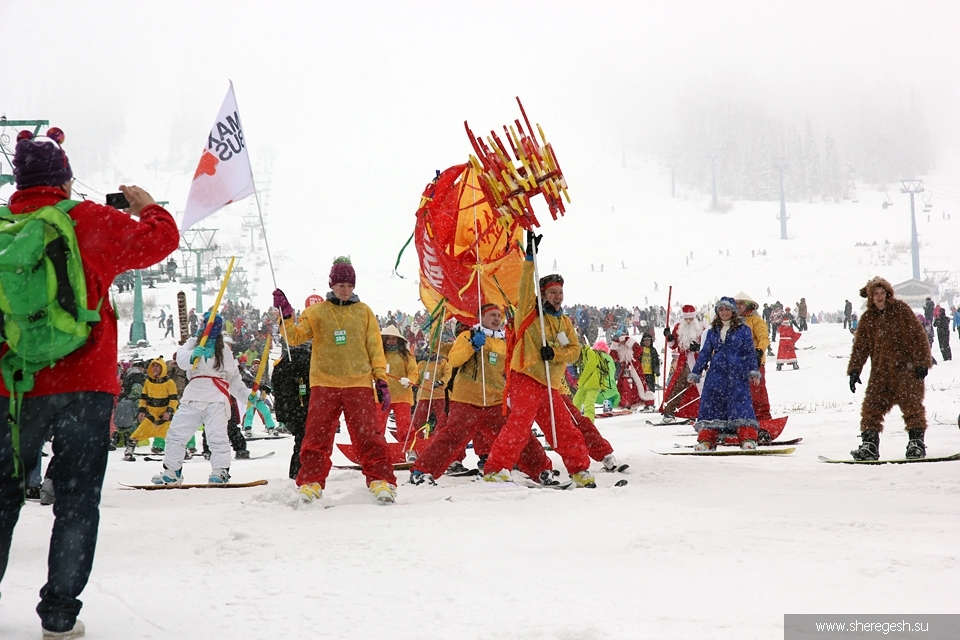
(689, 332)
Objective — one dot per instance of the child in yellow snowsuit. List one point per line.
(158, 402)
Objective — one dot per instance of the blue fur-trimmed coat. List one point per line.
(725, 402)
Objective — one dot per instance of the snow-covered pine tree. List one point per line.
(811, 161)
(832, 180)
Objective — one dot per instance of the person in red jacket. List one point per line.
(74, 399)
(787, 352)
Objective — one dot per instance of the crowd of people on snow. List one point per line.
(484, 383)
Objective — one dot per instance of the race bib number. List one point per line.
(340, 337)
(491, 357)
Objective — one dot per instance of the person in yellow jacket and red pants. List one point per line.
(348, 375)
(476, 403)
(527, 388)
(402, 376)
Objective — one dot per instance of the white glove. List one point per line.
(405, 382)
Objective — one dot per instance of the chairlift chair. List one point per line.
(888, 202)
(927, 201)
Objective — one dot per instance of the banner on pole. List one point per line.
(224, 174)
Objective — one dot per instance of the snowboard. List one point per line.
(730, 452)
(955, 456)
(778, 443)
(207, 485)
(184, 318)
(276, 437)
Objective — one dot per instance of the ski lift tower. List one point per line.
(6, 178)
(913, 187)
(199, 242)
(781, 164)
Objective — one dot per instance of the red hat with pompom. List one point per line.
(342, 271)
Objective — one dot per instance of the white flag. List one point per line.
(224, 174)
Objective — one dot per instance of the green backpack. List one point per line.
(43, 295)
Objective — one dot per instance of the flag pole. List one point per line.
(266, 244)
(666, 348)
(543, 338)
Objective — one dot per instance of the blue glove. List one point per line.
(693, 378)
(203, 352)
(478, 340)
(252, 398)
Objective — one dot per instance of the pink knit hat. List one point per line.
(342, 271)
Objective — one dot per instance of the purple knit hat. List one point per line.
(41, 161)
(342, 271)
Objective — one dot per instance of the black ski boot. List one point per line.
(763, 437)
(915, 447)
(869, 448)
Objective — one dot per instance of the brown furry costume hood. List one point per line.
(869, 287)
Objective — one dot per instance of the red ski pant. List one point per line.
(468, 421)
(758, 393)
(712, 435)
(401, 413)
(597, 446)
(528, 402)
(361, 412)
(420, 418)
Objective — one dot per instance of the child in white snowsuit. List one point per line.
(206, 401)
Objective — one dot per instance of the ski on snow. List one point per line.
(955, 456)
(206, 485)
(666, 424)
(200, 456)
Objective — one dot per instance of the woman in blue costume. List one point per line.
(725, 403)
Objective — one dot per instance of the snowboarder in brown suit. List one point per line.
(896, 343)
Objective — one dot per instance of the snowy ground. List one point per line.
(691, 548)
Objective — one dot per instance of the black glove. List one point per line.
(546, 353)
(854, 380)
(533, 243)
(759, 353)
(695, 347)
(668, 334)
(921, 372)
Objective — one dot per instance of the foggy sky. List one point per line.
(348, 108)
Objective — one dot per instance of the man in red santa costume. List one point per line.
(682, 398)
(631, 384)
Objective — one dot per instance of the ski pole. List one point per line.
(666, 341)
(543, 336)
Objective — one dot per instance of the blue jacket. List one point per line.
(725, 402)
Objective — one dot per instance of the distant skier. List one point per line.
(786, 352)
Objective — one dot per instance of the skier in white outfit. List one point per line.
(206, 401)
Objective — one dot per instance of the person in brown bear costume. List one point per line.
(896, 343)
